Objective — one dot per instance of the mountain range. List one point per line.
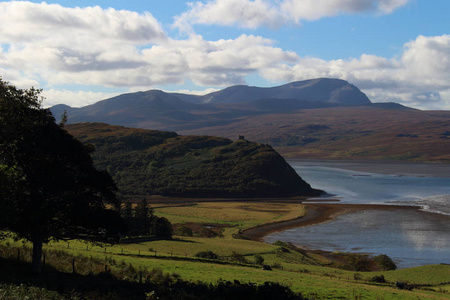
(320, 118)
(156, 109)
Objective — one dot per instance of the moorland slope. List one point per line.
(319, 118)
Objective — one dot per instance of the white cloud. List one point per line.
(255, 13)
(420, 77)
(244, 13)
(93, 46)
(97, 47)
(195, 92)
(317, 9)
(51, 25)
(427, 61)
(16, 78)
(76, 99)
(58, 43)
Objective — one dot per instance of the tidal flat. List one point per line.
(415, 231)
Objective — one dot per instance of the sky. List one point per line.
(80, 52)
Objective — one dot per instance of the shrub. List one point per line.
(357, 262)
(379, 279)
(206, 254)
(237, 257)
(385, 262)
(259, 260)
(184, 231)
(161, 227)
(277, 265)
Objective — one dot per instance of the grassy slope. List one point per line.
(293, 269)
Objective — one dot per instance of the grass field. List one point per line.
(305, 273)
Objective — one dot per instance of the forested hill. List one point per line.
(164, 163)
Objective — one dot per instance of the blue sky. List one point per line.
(81, 51)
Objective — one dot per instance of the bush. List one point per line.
(259, 260)
(277, 265)
(237, 257)
(206, 254)
(385, 262)
(379, 279)
(161, 227)
(184, 231)
(357, 262)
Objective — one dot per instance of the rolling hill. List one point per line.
(149, 162)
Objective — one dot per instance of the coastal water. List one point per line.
(410, 237)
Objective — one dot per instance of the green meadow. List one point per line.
(301, 271)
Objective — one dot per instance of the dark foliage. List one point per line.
(163, 163)
(238, 257)
(385, 262)
(206, 254)
(259, 260)
(358, 262)
(141, 221)
(208, 233)
(378, 279)
(49, 186)
(184, 231)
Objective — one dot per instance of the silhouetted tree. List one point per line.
(50, 188)
(144, 216)
(161, 227)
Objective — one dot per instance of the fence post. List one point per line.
(73, 266)
(106, 269)
(18, 254)
(140, 276)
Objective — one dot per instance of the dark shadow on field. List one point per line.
(184, 241)
(106, 286)
(99, 286)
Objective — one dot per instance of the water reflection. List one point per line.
(410, 237)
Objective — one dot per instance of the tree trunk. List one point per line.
(37, 254)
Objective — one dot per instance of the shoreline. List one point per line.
(392, 167)
(317, 213)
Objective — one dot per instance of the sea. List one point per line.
(410, 237)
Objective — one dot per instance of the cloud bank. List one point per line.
(252, 14)
(50, 46)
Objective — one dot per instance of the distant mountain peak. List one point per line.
(329, 90)
(176, 111)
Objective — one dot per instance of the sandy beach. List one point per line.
(318, 213)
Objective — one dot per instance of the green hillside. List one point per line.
(147, 162)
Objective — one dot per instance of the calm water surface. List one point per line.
(411, 238)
